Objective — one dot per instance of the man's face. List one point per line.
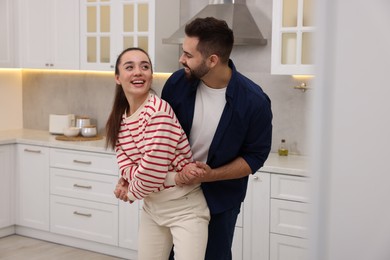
(194, 63)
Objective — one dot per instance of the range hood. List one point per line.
(237, 16)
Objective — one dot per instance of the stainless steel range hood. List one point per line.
(237, 16)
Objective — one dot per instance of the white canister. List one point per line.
(82, 121)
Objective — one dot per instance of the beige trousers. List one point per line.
(182, 222)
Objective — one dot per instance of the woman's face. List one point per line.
(135, 74)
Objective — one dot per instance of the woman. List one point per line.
(151, 148)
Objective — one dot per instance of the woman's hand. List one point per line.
(121, 190)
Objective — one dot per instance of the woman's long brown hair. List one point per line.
(119, 106)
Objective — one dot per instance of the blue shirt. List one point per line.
(245, 129)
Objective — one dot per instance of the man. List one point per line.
(228, 120)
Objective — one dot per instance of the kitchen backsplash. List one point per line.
(80, 93)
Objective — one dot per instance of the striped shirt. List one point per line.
(151, 143)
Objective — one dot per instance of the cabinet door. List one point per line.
(128, 225)
(6, 33)
(292, 37)
(6, 185)
(256, 218)
(237, 244)
(108, 27)
(49, 34)
(287, 248)
(33, 186)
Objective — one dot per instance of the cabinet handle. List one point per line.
(82, 214)
(82, 186)
(32, 151)
(82, 162)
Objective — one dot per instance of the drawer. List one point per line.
(84, 219)
(289, 218)
(289, 187)
(288, 248)
(84, 161)
(83, 185)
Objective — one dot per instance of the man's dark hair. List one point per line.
(215, 37)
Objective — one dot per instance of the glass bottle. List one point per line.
(283, 151)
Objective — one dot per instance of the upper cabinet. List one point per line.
(292, 37)
(49, 34)
(110, 26)
(7, 52)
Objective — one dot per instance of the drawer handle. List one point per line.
(82, 214)
(82, 186)
(32, 151)
(82, 162)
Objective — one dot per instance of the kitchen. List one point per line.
(28, 93)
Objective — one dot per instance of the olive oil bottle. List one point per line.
(283, 151)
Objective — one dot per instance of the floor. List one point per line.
(17, 247)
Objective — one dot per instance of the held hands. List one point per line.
(192, 173)
(121, 190)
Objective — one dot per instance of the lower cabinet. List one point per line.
(69, 193)
(287, 248)
(7, 201)
(256, 217)
(32, 167)
(82, 203)
(128, 225)
(237, 244)
(289, 217)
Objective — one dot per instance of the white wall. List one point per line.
(11, 115)
(351, 132)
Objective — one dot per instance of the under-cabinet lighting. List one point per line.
(303, 77)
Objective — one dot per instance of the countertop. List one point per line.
(291, 164)
(44, 138)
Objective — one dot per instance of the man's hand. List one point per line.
(191, 174)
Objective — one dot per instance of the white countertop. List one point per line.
(44, 138)
(291, 164)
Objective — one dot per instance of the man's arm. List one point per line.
(236, 169)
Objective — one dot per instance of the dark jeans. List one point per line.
(221, 231)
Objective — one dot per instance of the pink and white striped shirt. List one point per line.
(151, 143)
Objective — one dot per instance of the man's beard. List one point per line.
(197, 73)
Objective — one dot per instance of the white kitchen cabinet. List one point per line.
(289, 217)
(7, 30)
(7, 201)
(82, 202)
(32, 166)
(256, 218)
(49, 34)
(128, 225)
(108, 27)
(292, 37)
(287, 248)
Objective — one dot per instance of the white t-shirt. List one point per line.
(209, 105)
